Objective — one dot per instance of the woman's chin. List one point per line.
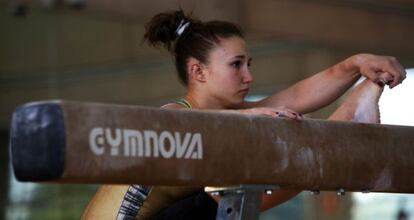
(237, 102)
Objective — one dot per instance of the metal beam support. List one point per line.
(240, 202)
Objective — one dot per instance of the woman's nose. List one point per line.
(247, 77)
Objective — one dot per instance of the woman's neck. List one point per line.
(200, 100)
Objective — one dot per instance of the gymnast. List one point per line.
(213, 63)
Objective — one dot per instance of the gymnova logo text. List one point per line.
(146, 143)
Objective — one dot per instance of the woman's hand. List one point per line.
(273, 112)
(380, 69)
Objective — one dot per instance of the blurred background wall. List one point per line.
(92, 50)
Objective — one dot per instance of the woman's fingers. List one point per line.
(288, 113)
(372, 66)
(396, 71)
(385, 78)
(274, 112)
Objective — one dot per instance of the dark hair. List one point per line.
(197, 40)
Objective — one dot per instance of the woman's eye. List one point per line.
(236, 64)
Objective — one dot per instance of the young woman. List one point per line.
(213, 63)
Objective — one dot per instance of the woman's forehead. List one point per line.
(234, 47)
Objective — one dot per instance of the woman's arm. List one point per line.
(280, 111)
(324, 87)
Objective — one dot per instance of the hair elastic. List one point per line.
(181, 27)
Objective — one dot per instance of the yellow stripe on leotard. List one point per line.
(184, 103)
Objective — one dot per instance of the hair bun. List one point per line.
(164, 28)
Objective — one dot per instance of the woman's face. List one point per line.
(228, 74)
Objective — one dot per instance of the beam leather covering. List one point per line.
(75, 142)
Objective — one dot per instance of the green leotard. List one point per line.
(184, 103)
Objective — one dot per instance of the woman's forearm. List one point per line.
(323, 88)
(318, 90)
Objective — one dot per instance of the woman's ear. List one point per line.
(196, 70)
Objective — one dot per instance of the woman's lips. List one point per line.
(244, 90)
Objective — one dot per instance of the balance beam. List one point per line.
(75, 142)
